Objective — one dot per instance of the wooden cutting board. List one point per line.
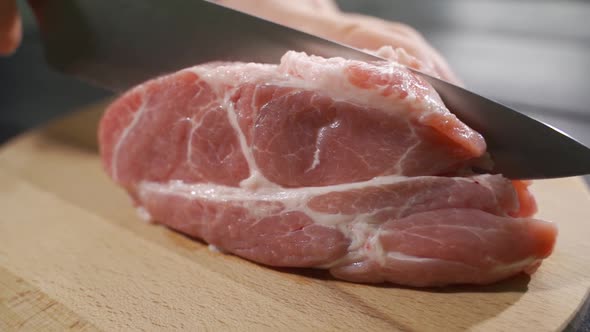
(74, 256)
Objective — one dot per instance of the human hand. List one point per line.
(10, 27)
(323, 18)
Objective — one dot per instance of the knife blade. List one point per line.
(117, 44)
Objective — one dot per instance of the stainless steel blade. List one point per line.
(117, 44)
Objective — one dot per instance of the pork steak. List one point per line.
(350, 166)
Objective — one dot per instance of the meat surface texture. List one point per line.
(350, 166)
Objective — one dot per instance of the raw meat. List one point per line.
(354, 167)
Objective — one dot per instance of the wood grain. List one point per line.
(25, 307)
(69, 236)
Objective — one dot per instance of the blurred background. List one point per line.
(533, 55)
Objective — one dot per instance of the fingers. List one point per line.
(328, 6)
(269, 8)
(393, 27)
(372, 33)
(10, 27)
(324, 19)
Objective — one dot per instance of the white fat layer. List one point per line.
(404, 156)
(144, 215)
(358, 227)
(215, 249)
(400, 256)
(329, 80)
(326, 76)
(222, 193)
(256, 178)
(516, 266)
(291, 199)
(362, 229)
(117, 149)
(318, 142)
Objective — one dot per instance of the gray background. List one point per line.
(533, 55)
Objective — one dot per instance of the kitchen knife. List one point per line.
(117, 44)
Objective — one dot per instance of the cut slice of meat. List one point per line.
(354, 167)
